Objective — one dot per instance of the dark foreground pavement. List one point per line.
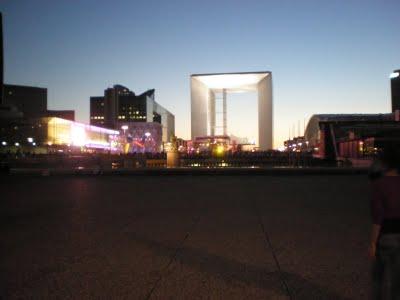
(185, 237)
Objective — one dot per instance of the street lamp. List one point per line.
(124, 128)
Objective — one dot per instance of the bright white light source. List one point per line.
(30, 140)
(4, 143)
(78, 135)
(16, 144)
(237, 81)
(33, 144)
(147, 134)
(281, 148)
(394, 75)
(124, 127)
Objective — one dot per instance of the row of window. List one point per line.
(131, 117)
(97, 118)
(129, 108)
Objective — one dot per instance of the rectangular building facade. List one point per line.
(120, 105)
(395, 87)
(31, 101)
(56, 133)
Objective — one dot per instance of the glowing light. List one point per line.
(232, 81)
(394, 75)
(147, 134)
(30, 140)
(282, 148)
(220, 149)
(33, 144)
(78, 135)
(124, 127)
(16, 144)
(49, 143)
(4, 143)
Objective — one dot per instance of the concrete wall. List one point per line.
(199, 99)
(211, 112)
(167, 120)
(265, 113)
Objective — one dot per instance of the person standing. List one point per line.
(385, 234)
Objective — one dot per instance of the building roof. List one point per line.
(232, 82)
(312, 129)
(352, 117)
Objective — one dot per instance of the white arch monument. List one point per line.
(205, 87)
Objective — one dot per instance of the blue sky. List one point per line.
(325, 56)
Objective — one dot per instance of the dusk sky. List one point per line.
(325, 56)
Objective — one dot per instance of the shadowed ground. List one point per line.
(193, 237)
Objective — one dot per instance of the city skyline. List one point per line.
(331, 58)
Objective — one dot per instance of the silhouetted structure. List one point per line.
(119, 107)
(31, 101)
(395, 87)
(1, 60)
(332, 136)
(63, 114)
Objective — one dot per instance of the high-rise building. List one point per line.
(395, 87)
(1, 60)
(120, 106)
(31, 101)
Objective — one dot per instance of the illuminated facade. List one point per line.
(206, 89)
(141, 137)
(54, 133)
(69, 133)
(119, 104)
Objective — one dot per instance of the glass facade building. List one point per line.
(119, 104)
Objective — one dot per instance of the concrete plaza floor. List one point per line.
(185, 237)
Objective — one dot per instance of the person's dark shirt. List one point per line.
(385, 204)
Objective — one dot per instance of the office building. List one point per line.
(395, 88)
(31, 101)
(208, 89)
(119, 106)
(1, 60)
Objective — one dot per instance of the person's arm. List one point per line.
(374, 239)
(377, 214)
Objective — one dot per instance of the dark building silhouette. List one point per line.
(1, 60)
(63, 114)
(395, 87)
(119, 106)
(97, 111)
(31, 101)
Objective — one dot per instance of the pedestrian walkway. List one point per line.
(184, 237)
